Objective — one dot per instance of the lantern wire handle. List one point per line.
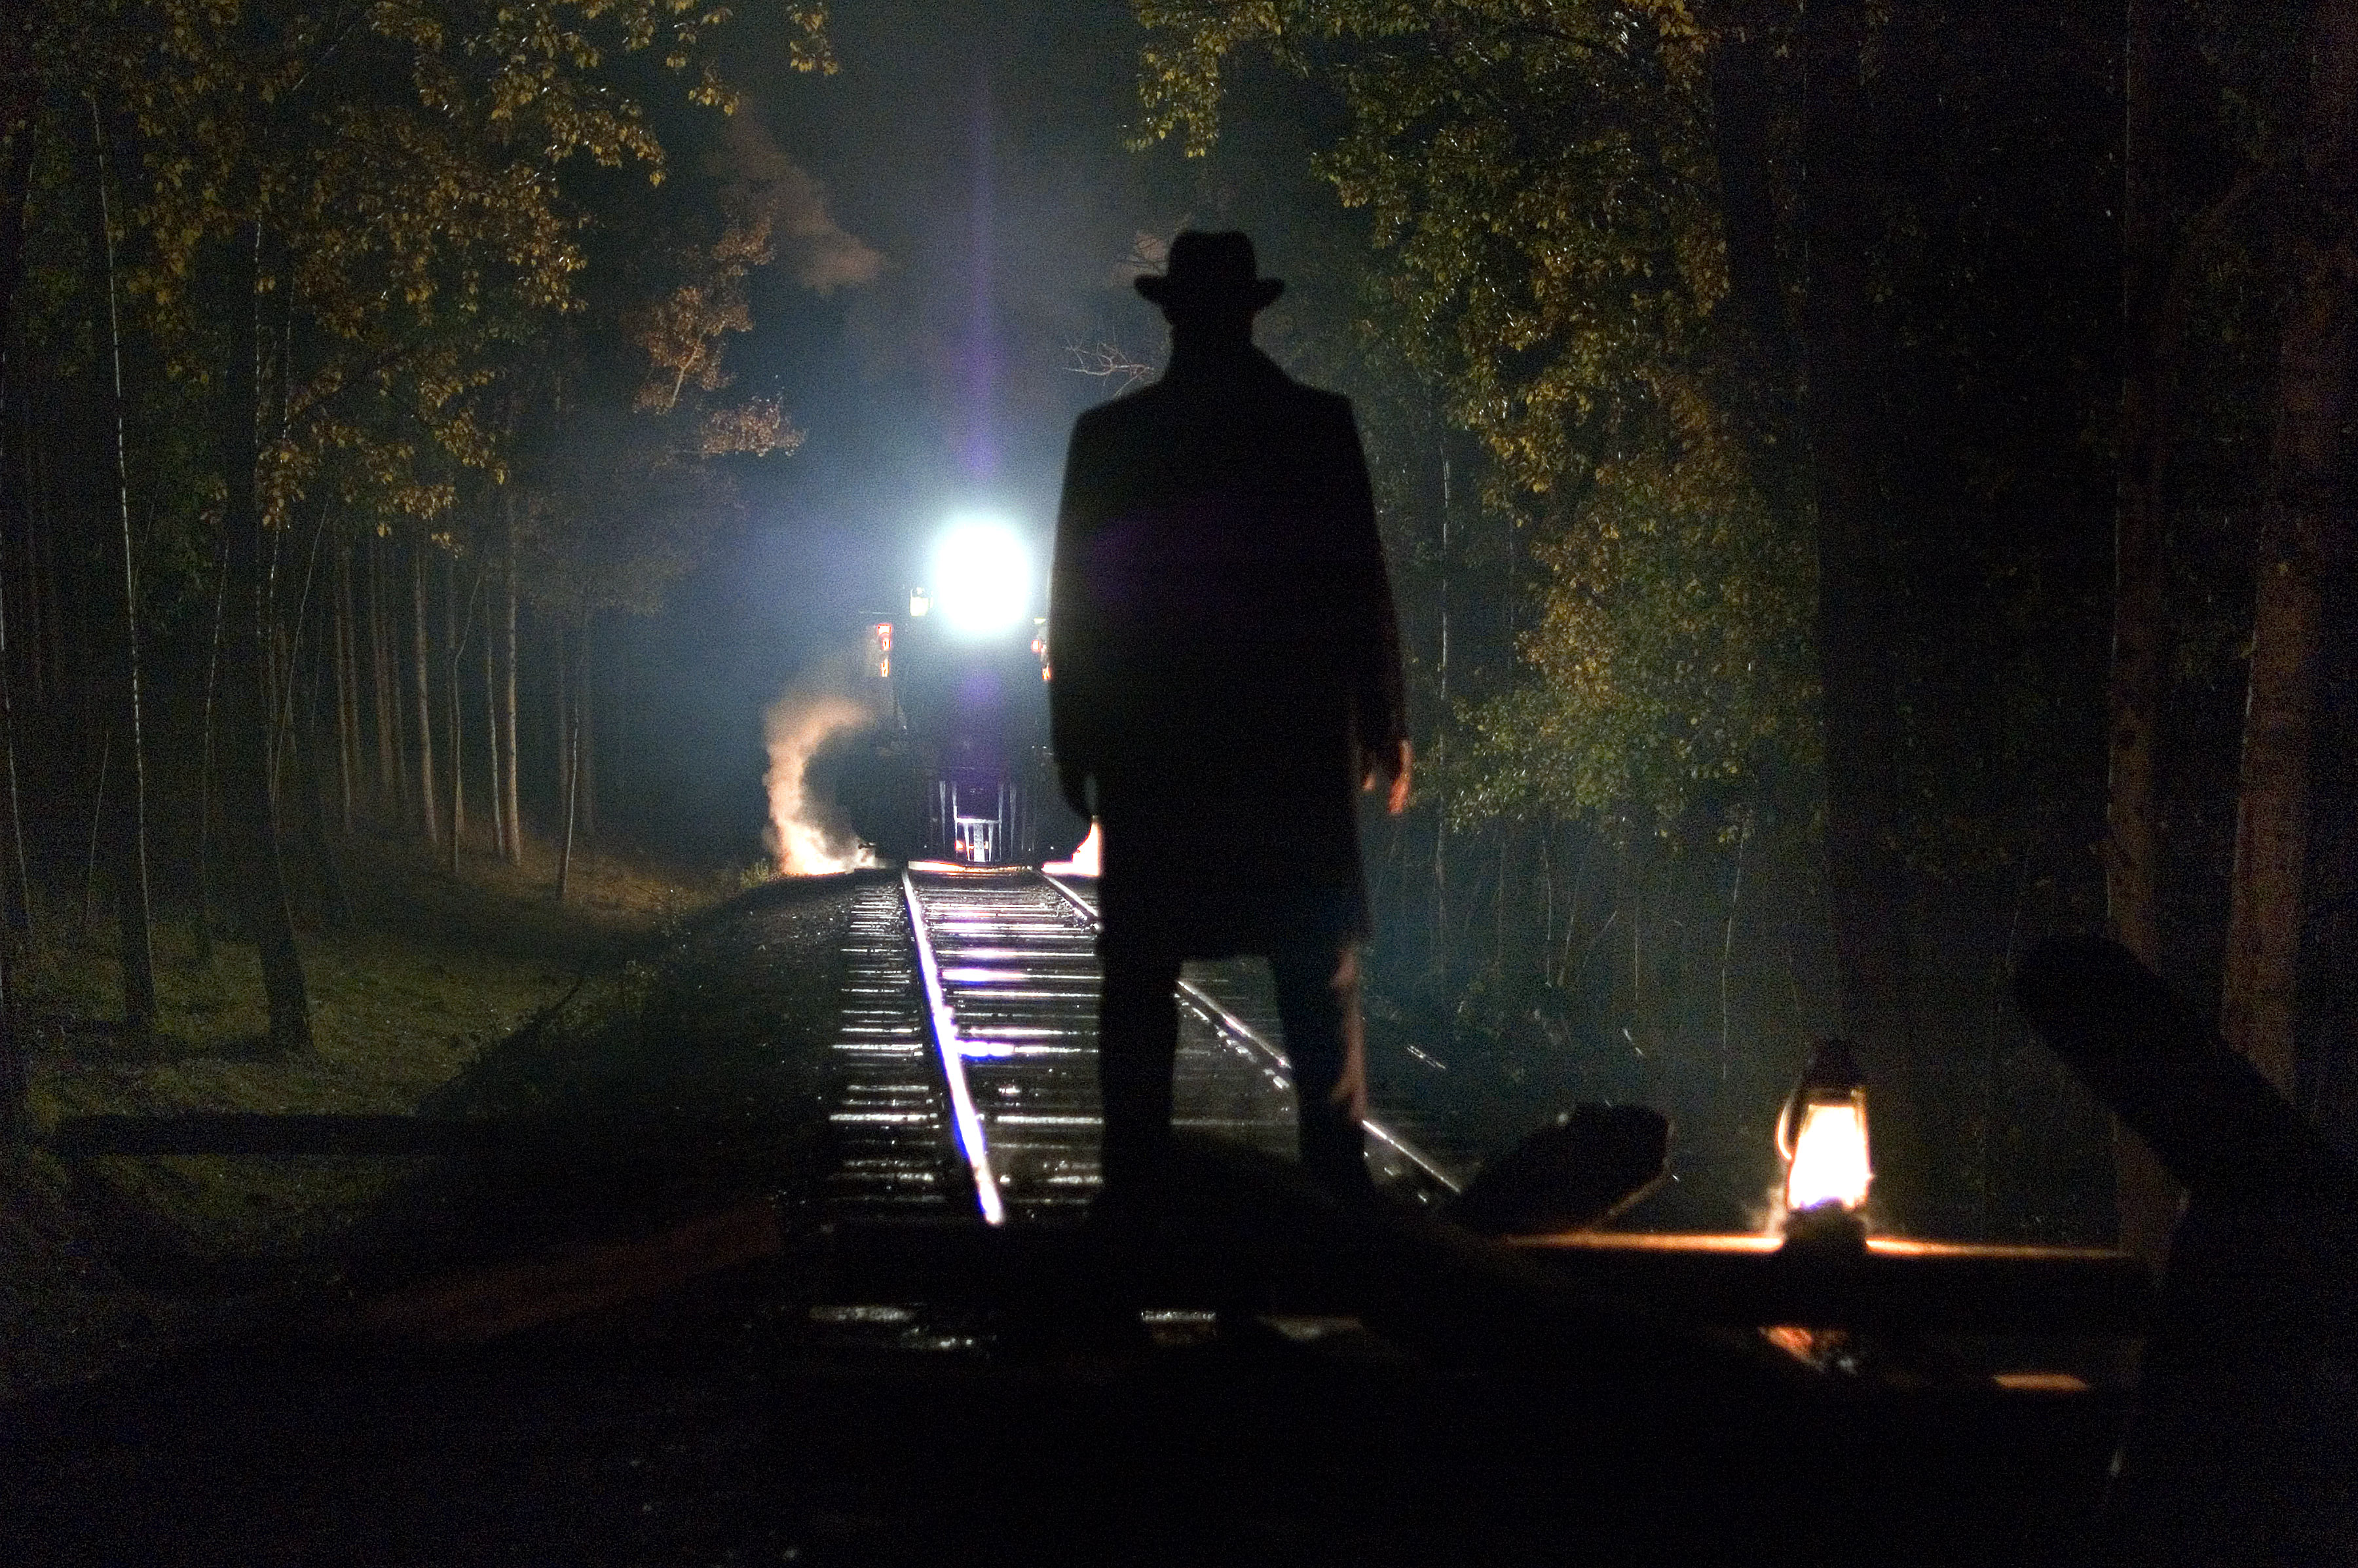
(1785, 1122)
(1831, 1066)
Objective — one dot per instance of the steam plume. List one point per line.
(823, 254)
(801, 838)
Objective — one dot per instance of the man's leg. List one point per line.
(1318, 1004)
(1138, 1036)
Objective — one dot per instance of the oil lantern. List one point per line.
(1821, 1137)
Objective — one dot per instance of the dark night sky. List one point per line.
(979, 147)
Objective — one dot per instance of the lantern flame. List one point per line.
(1829, 1158)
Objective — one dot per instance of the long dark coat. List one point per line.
(1225, 657)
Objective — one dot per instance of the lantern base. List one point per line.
(1828, 1227)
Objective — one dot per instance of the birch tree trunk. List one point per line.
(569, 723)
(454, 642)
(613, 774)
(205, 768)
(421, 662)
(303, 749)
(15, 890)
(16, 885)
(1439, 747)
(392, 792)
(247, 781)
(348, 695)
(131, 904)
(508, 708)
(49, 629)
(585, 742)
(15, 904)
(2304, 545)
(491, 737)
(40, 615)
(559, 686)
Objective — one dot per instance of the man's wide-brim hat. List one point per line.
(1211, 273)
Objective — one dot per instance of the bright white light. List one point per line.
(983, 576)
(1086, 860)
(1829, 1158)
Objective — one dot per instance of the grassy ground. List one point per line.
(431, 973)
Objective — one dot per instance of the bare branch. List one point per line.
(1109, 362)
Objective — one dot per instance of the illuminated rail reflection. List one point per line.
(999, 998)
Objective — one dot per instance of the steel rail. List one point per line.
(1244, 1033)
(942, 1022)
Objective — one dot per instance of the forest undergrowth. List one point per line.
(104, 1260)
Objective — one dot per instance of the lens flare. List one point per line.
(983, 576)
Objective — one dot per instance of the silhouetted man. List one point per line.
(1226, 677)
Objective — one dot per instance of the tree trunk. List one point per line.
(1865, 879)
(205, 763)
(560, 708)
(16, 885)
(1739, 112)
(393, 790)
(454, 642)
(48, 631)
(2135, 684)
(247, 781)
(348, 696)
(1742, 74)
(570, 725)
(508, 711)
(15, 1121)
(2257, 1007)
(16, 907)
(611, 776)
(421, 662)
(131, 904)
(97, 818)
(15, 890)
(40, 596)
(2304, 545)
(286, 680)
(1440, 750)
(335, 900)
(491, 737)
(585, 708)
(2148, 1201)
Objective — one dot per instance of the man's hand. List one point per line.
(1395, 770)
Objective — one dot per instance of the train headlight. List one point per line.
(983, 576)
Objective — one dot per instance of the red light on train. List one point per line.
(880, 650)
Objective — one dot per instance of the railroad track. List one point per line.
(967, 1056)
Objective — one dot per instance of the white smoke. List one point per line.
(800, 838)
(822, 254)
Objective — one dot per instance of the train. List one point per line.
(960, 768)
